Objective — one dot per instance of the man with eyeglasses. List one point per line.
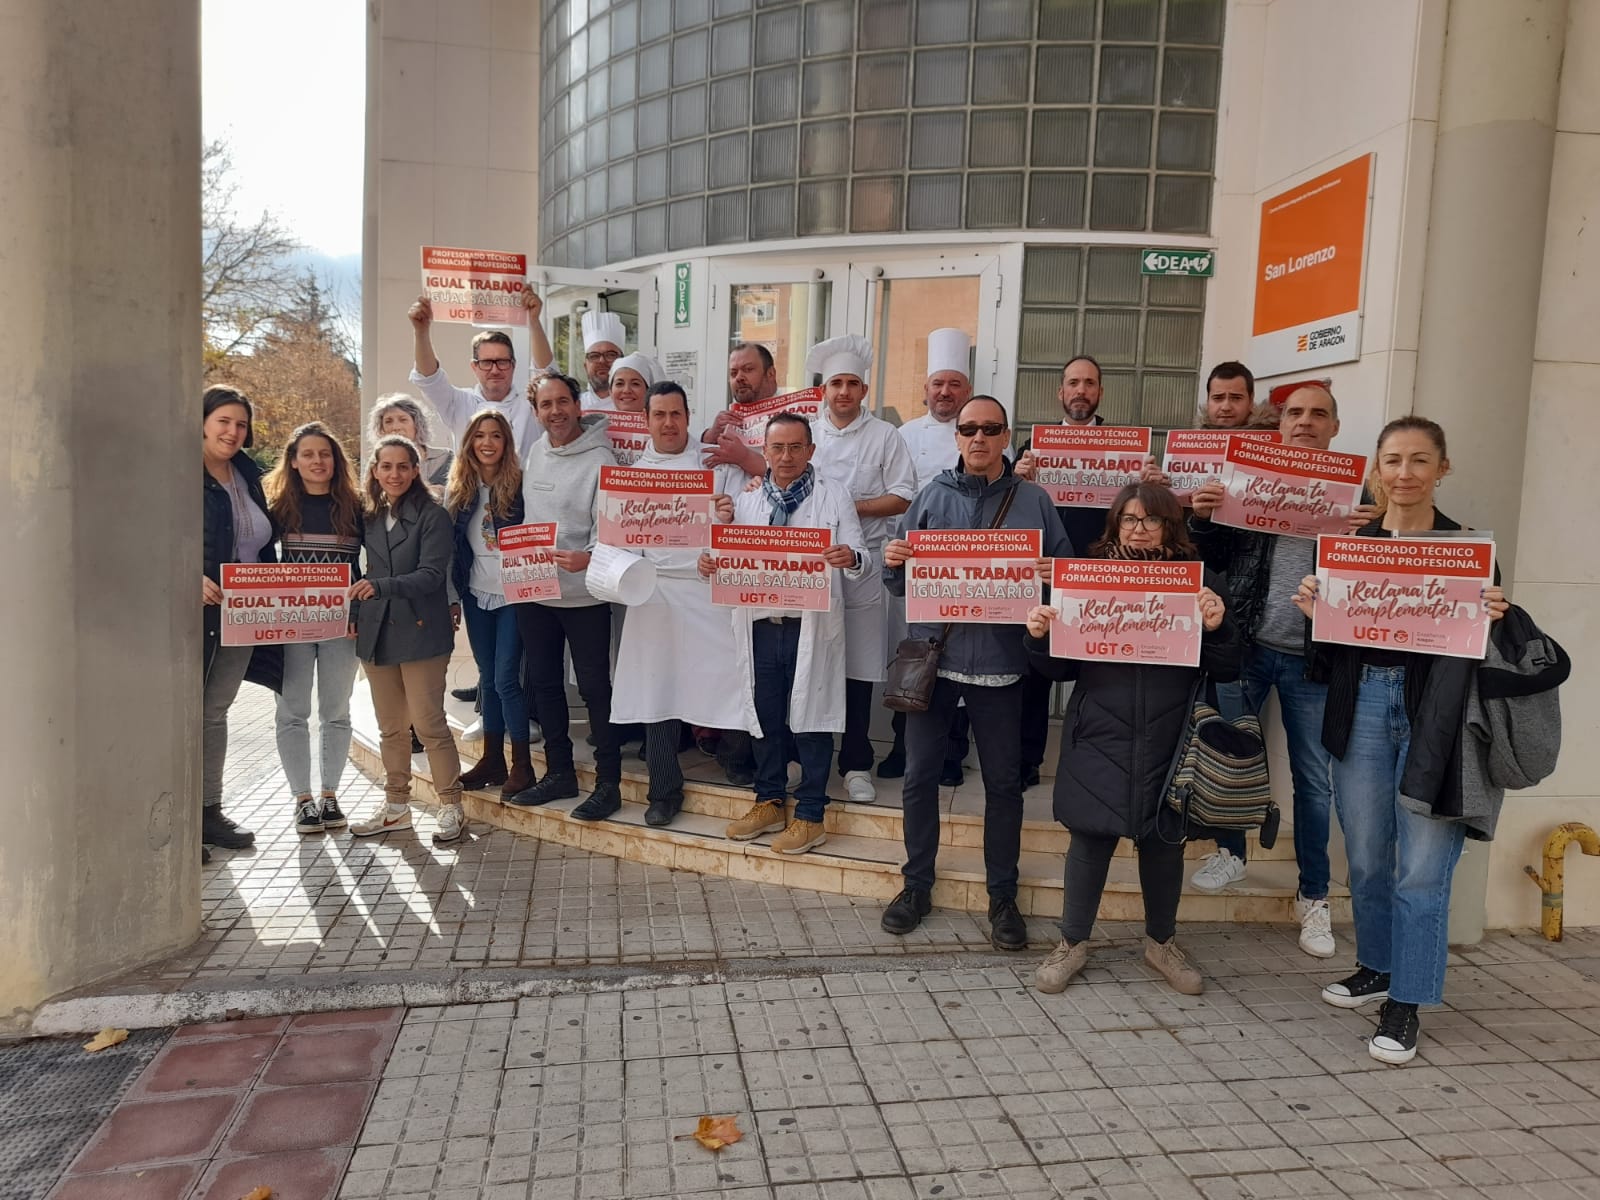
(603, 339)
(494, 361)
(863, 455)
(982, 665)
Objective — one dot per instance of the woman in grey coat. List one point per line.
(404, 635)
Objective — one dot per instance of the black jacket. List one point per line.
(461, 561)
(1244, 558)
(266, 664)
(1122, 727)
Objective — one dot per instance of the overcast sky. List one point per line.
(285, 84)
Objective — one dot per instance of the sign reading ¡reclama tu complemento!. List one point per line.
(1309, 264)
(1418, 593)
(1128, 611)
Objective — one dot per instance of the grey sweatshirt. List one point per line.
(560, 484)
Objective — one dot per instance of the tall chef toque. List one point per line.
(948, 351)
(603, 327)
(847, 355)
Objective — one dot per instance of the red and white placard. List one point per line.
(629, 435)
(1292, 490)
(284, 602)
(988, 576)
(645, 509)
(771, 566)
(752, 418)
(1127, 610)
(1408, 593)
(1085, 466)
(527, 572)
(475, 287)
(1193, 456)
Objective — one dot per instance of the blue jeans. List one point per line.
(1310, 767)
(1401, 862)
(497, 649)
(775, 651)
(334, 664)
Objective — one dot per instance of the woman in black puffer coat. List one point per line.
(1117, 741)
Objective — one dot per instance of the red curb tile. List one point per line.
(300, 1118)
(297, 1175)
(368, 1016)
(200, 1065)
(152, 1183)
(158, 1130)
(337, 1056)
(216, 1028)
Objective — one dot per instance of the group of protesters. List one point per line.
(770, 689)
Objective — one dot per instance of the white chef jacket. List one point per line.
(932, 444)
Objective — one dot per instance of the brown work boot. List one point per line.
(490, 770)
(1058, 970)
(521, 776)
(765, 816)
(1173, 966)
(799, 837)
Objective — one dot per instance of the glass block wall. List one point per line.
(671, 125)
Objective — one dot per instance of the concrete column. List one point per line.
(100, 490)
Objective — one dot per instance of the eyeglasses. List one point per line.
(1150, 523)
(987, 428)
(495, 364)
(602, 356)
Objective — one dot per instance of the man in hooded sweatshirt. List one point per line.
(560, 480)
(981, 664)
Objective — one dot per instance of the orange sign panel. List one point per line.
(1309, 265)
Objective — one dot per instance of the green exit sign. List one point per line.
(1177, 262)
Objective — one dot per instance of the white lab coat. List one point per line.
(816, 702)
(870, 459)
(677, 658)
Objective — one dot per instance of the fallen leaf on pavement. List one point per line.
(105, 1039)
(715, 1132)
(260, 1193)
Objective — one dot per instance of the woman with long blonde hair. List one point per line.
(312, 499)
(484, 495)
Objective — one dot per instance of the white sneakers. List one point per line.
(452, 824)
(473, 732)
(1218, 870)
(388, 819)
(1316, 927)
(858, 786)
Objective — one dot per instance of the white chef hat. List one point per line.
(603, 327)
(647, 366)
(847, 355)
(947, 351)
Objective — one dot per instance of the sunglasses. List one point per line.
(987, 428)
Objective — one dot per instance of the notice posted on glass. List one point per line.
(1127, 610)
(1418, 594)
(767, 566)
(284, 602)
(1085, 466)
(527, 572)
(1297, 491)
(1193, 456)
(751, 419)
(475, 287)
(988, 576)
(654, 510)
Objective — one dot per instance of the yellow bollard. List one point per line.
(1553, 882)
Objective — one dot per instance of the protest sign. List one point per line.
(629, 434)
(1422, 594)
(981, 575)
(1193, 456)
(1127, 610)
(527, 572)
(770, 566)
(284, 602)
(1085, 466)
(475, 287)
(751, 419)
(1293, 490)
(654, 509)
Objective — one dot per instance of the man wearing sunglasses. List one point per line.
(494, 362)
(982, 665)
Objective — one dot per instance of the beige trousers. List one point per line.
(411, 696)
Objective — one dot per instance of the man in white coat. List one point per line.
(603, 339)
(792, 667)
(677, 635)
(866, 457)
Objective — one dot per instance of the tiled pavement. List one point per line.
(853, 1074)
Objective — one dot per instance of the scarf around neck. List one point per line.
(784, 501)
(1118, 550)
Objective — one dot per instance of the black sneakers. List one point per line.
(332, 816)
(217, 830)
(557, 785)
(905, 911)
(603, 802)
(308, 816)
(1396, 1039)
(1364, 987)
(1007, 929)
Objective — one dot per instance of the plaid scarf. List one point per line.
(785, 500)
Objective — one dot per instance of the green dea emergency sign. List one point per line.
(1177, 262)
